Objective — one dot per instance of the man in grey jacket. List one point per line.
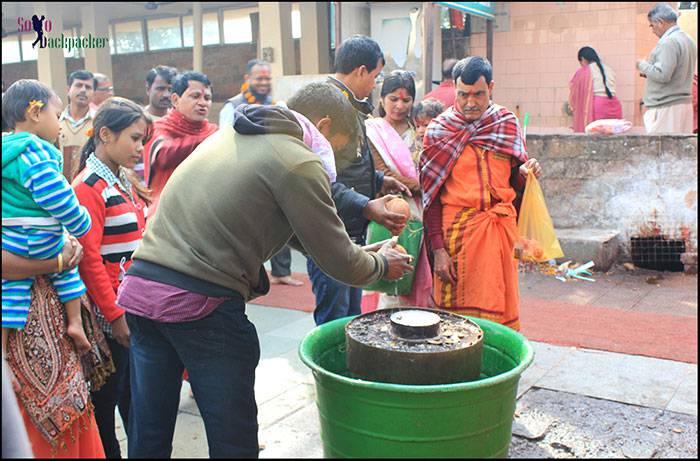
(669, 73)
(256, 90)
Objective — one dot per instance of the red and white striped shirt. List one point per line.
(118, 224)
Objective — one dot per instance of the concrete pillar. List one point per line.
(51, 65)
(197, 49)
(437, 44)
(276, 36)
(428, 49)
(489, 40)
(255, 28)
(315, 38)
(95, 22)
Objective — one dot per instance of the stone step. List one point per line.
(601, 246)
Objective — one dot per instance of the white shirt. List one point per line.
(598, 86)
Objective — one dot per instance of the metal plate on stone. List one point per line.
(379, 350)
(415, 324)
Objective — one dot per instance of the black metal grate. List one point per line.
(657, 253)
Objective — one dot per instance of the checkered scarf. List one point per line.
(449, 133)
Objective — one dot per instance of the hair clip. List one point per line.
(36, 103)
(89, 132)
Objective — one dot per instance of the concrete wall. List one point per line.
(223, 64)
(535, 59)
(354, 19)
(28, 69)
(688, 22)
(411, 59)
(626, 183)
(287, 85)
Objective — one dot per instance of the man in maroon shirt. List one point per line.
(177, 134)
(445, 92)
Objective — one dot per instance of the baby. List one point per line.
(38, 204)
(423, 113)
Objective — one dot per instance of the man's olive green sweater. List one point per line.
(237, 200)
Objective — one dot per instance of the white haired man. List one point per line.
(669, 73)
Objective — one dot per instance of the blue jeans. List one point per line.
(281, 263)
(220, 352)
(333, 299)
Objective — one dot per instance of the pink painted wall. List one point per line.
(534, 61)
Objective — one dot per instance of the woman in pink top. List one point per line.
(392, 141)
(592, 91)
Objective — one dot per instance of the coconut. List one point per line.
(399, 206)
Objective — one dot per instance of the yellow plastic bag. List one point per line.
(538, 241)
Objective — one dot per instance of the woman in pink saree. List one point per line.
(592, 91)
(392, 138)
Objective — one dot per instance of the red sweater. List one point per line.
(174, 138)
(117, 229)
(445, 93)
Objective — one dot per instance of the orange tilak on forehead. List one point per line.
(403, 93)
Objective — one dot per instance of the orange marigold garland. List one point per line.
(247, 94)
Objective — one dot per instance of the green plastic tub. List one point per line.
(362, 419)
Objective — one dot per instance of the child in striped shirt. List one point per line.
(38, 204)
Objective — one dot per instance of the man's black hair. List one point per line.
(471, 69)
(166, 73)
(17, 98)
(82, 75)
(318, 100)
(255, 62)
(447, 66)
(357, 51)
(182, 81)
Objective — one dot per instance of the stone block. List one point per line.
(690, 263)
(563, 146)
(583, 245)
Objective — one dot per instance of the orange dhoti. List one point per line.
(481, 246)
(480, 240)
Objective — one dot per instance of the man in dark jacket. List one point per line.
(358, 62)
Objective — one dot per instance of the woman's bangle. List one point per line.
(60, 263)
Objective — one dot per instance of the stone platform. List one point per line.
(583, 245)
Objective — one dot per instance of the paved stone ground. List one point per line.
(571, 402)
(639, 290)
(576, 402)
(551, 424)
